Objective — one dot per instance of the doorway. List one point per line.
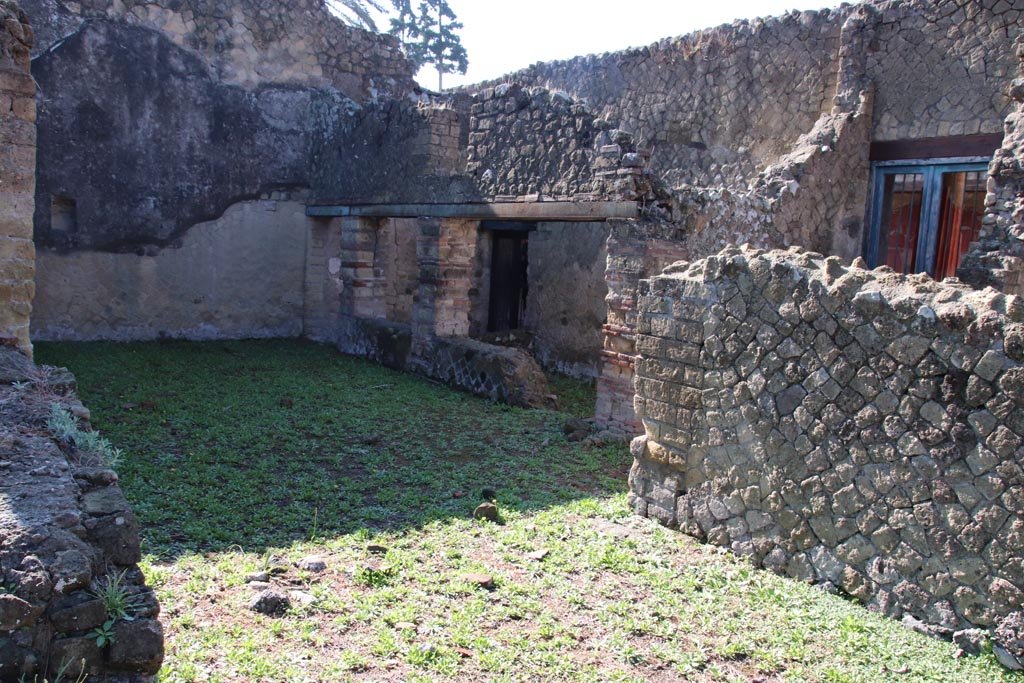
(509, 282)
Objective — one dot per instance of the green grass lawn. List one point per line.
(244, 456)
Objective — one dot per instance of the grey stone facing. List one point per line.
(895, 485)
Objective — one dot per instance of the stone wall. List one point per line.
(997, 259)
(395, 151)
(17, 177)
(249, 43)
(66, 530)
(940, 68)
(839, 425)
(126, 166)
(239, 276)
(531, 142)
(565, 307)
(719, 106)
(160, 119)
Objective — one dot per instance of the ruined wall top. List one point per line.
(720, 105)
(251, 42)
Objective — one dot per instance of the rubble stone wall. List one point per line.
(392, 152)
(839, 425)
(17, 177)
(65, 531)
(530, 141)
(717, 105)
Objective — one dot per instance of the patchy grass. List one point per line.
(246, 456)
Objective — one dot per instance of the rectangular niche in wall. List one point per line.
(509, 281)
(63, 214)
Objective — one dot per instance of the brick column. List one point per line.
(636, 250)
(623, 271)
(445, 250)
(17, 177)
(362, 278)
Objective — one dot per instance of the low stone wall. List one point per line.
(66, 531)
(17, 176)
(499, 373)
(839, 425)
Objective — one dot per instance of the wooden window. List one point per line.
(925, 215)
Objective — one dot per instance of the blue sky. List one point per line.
(504, 36)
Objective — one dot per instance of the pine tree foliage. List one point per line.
(429, 35)
(405, 25)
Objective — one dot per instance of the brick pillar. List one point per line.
(446, 251)
(17, 177)
(363, 294)
(623, 271)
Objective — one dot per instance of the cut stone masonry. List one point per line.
(837, 424)
(17, 177)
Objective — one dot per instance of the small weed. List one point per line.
(63, 425)
(104, 634)
(61, 675)
(119, 603)
(374, 577)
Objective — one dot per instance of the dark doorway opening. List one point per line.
(509, 284)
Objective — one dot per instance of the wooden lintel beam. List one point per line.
(981, 145)
(512, 211)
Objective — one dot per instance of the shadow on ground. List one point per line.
(260, 444)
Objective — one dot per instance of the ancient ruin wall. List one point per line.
(940, 68)
(153, 118)
(240, 276)
(66, 531)
(138, 142)
(250, 43)
(393, 152)
(841, 425)
(530, 142)
(997, 258)
(716, 105)
(17, 176)
(168, 133)
(720, 105)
